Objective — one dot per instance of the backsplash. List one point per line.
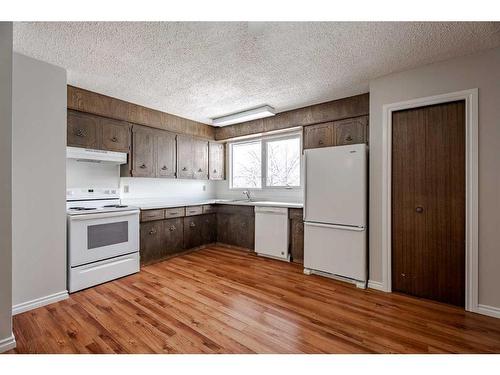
(166, 188)
(83, 174)
(222, 191)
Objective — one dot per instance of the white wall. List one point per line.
(474, 71)
(222, 191)
(39, 183)
(6, 339)
(167, 189)
(83, 174)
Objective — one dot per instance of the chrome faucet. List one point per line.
(247, 193)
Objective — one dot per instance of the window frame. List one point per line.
(264, 140)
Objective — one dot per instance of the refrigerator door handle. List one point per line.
(333, 226)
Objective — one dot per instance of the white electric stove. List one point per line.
(103, 237)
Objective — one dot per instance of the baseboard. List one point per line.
(377, 285)
(488, 310)
(7, 344)
(42, 301)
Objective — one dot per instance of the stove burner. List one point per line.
(82, 208)
(115, 206)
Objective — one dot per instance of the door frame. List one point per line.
(471, 187)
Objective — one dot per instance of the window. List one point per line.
(267, 162)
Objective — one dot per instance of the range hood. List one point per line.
(96, 156)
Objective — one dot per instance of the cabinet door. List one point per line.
(216, 161)
(192, 232)
(320, 135)
(184, 157)
(142, 152)
(165, 154)
(200, 163)
(296, 234)
(174, 235)
(246, 231)
(83, 130)
(152, 242)
(115, 135)
(351, 131)
(208, 229)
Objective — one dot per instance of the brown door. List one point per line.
(83, 130)
(320, 135)
(142, 152)
(428, 202)
(184, 157)
(115, 135)
(166, 154)
(200, 164)
(216, 161)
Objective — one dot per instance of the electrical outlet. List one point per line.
(125, 188)
(204, 187)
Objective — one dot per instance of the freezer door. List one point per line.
(335, 249)
(336, 180)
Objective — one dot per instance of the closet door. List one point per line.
(428, 202)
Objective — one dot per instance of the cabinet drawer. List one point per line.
(174, 212)
(194, 210)
(150, 215)
(208, 208)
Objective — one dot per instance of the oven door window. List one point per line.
(101, 235)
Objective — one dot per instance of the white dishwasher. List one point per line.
(271, 232)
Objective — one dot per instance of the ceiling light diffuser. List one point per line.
(251, 114)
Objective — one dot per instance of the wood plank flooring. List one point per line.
(219, 300)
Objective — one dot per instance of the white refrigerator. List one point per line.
(335, 211)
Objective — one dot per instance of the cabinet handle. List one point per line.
(200, 170)
(164, 168)
(192, 224)
(171, 229)
(143, 166)
(320, 142)
(80, 133)
(114, 139)
(151, 232)
(215, 171)
(419, 209)
(184, 169)
(348, 138)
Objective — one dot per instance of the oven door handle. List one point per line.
(103, 215)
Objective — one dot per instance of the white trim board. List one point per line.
(7, 343)
(39, 302)
(488, 310)
(377, 285)
(471, 181)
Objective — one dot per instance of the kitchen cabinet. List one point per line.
(200, 161)
(193, 231)
(209, 228)
(152, 241)
(351, 131)
(337, 133)
(142, 156)
(153, 153)
(173, 230)
(320, 135)
(236, 225)
(216, 158)
(184, 157)
(165, 150)
(296, 234)
(100, 133)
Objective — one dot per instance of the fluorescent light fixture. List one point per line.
(251, 114)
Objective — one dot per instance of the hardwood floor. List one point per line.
(219, 300)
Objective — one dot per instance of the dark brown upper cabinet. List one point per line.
(142, 156)
(200, 162)
(82, 130)
(216, 161)
(115, 135)
(90, 131)
(165, 154)
(184, 156)
(337, 133)
(320, 135)
(351, 131)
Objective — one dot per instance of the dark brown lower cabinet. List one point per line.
(296, 234)
(160, 239)
(236, 226)
(193, 231)
(174, 235)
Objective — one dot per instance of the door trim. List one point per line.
(471, 188)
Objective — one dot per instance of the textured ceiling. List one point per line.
(201, 70)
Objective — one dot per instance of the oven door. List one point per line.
(98, 236)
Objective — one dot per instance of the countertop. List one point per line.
(156, 203)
